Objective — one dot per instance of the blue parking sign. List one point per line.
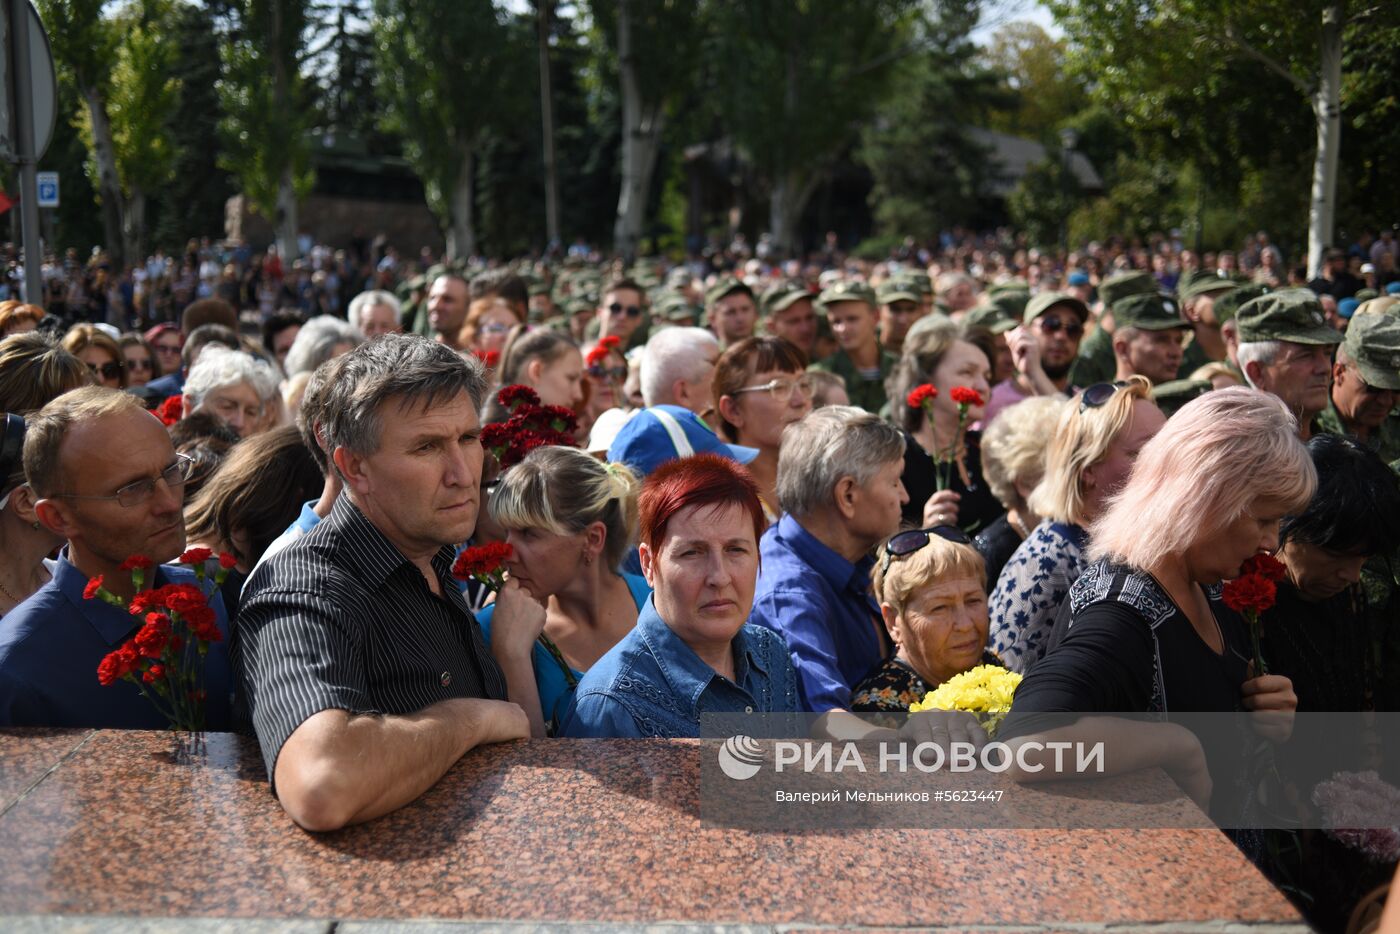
(48, 189)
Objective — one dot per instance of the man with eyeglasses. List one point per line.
(1286, 348)
(622, 313)
(110, 483)
(731, 311)
(1148, 337)
(1366, 385)
(1043, 349)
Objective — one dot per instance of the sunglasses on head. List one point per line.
(1098, 394)
(598, 371)
(1050, 324)
(632, 311)
(108, 370)
(906, 543)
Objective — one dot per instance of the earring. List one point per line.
(36, 526)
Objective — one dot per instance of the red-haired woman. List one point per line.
(691, 650)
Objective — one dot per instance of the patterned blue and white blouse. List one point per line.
(1030, 590)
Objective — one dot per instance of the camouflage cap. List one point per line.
(1011, 303)
(1150, 312)
(1373, 344)
(1009, 285)
(1114, 288)
(727, 285)
(1204, 284)
(898, 290)
(918, 280)
(1228, 303)
(1047, 300)
(672, 306)
(579, 304)
(1292, 315)
(1172, 395)
(783, 296)
(847, 290)
(991, 316)
(1365, 295)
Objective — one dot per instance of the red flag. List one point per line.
(6, 202)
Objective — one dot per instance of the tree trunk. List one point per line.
(551, 178)
(134, 225)
(641, 136)
(789, 199)
(108, 181)
(1327, 108)
(461, 226)
(287, 246)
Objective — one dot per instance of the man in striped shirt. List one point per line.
(364, 673)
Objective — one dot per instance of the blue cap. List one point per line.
(1347, 307)
(664, 432)
(1078, 278)
(1393, 288)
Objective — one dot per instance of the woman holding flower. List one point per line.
(931, 585)
(1144, 628)
(570, 520)
(939, 388)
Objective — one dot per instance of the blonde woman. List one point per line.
(1096, 441)
(570, 521)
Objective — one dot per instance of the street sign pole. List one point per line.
(25, 156)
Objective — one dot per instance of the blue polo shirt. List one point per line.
(653, 684)
(821, 605)
(52, 643)
(171, 384)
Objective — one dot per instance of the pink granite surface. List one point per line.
(27, 755)
(595, 830)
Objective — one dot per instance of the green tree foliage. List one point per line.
(1045, 93)
(798, 80)
(267, 110)
(450, 75)
(1042, 202)
(929, 172)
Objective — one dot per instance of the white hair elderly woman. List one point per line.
(319, 340)
(1144, 629)
(1095, 443)
(374, 313)
(232, 385)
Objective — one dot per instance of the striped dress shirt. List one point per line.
(342, 620)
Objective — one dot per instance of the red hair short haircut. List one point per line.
(699, 480)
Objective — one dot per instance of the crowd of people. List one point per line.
(768, 486)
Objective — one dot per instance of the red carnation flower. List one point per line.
(560, 418)
(516, 395)
(153, 674)
(481, 560)
(611, 342)
(488, 358)
(94, 585)
(142, 602)
(920, 395)
(1250, 593)
(227, 561)
(154, 636)
(182, 598)
(107, 670)
(171, 410)
(1265, 565)
(965, 395)
(137, 561)
(196, 556)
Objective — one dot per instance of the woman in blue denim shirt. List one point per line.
(570, 521)
(691, 652)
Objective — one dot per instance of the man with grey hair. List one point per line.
(364, 673)
(678, 368)
(320, 339)
(374, 313)
(232, 385)
(1286, 348)
(840, 490)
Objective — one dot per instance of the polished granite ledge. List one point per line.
(117, 831)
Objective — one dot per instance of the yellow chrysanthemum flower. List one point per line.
(986, 691)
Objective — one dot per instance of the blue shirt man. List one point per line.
(52, 643)
(821, 604)
(653, 684)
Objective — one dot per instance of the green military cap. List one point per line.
(1124, 284)
(919, 280)
(1373, 345)
(1172, 395)
(1010, 303)
(897, 290)
(1292, 315)
(1229, 303)
(727, 285)
(1047, 300)
(783, 296)
(418, 283)
(1010, 285)
(556, 323)
(579, 304)
(1365, 295)
(846, 290)
(1205, 284)
(672, 306)
(1150, 312)
(678, 278)
(991, 316)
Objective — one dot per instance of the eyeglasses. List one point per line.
(1051, 324)
(139, 491)
(144, 364)
(1096, 395)
(632, 311)
(598, 371)
(782, 389)
(494, 327)
(171, 350)
(108, 370)
(906, 543)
